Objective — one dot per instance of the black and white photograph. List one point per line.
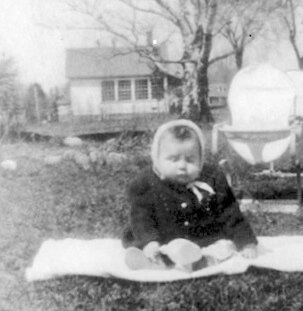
(151, 155)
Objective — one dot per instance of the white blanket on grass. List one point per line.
(105, 258)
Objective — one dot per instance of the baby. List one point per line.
(182, 197)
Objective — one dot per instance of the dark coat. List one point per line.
(162, 211)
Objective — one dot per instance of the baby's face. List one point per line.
(179, 161)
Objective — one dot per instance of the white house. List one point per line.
(108, 81)
(217, 94)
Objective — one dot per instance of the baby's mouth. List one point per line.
(182, 176)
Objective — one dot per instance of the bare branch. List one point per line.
(150, 11)
(185, 16)
(168, 9)
(295, 47)
(245, 23)
(211, 13)
(196, 4)
(286, 21)
(293, 18)
(223, 56)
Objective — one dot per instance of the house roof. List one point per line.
(105, 62)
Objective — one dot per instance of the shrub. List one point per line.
(36, 104)
(10, 103)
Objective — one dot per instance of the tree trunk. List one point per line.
(300, 61)
(195, 96)
(239, 58)
(202, 79)
(204, 112)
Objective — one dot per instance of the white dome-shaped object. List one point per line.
(260, 98)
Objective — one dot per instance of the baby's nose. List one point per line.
(182, 164)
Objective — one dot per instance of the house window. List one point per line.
(141, 89)
(108, 91)
(124, 89)
(157, 88)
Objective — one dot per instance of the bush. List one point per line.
(271, 188)
(36, 104)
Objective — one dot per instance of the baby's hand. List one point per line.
(249, 251)
(152, 250)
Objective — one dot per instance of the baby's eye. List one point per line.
(191, 159)
(173, 158)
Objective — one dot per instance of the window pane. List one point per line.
(141, 89)
(108, 90)
(124, 90)
(157, 88)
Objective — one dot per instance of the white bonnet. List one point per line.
(171, 124)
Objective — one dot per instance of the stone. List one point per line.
(94, 156)
(9, 165)
(53, 160)
(115, 157)
(82, 160)
(73, 141)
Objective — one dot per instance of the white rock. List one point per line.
(69, 154)
(52, 160)
(72, 141)
(110, 142)
(9, 165)
(82, 160)
(115, 157)
(94, 156)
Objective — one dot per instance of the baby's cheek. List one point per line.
(194, 169)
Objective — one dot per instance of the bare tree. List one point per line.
(291, 16)
(10, 105)
(199, 24)
(247, 23)
(194, 21)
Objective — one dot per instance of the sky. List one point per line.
(39, 51)
(36, 51)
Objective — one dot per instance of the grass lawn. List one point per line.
(39, 201)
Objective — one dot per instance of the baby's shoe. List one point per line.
(219, 251)
(135, 259)
(182, 252)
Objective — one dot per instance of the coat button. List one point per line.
(183, 204)
(186, 223)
